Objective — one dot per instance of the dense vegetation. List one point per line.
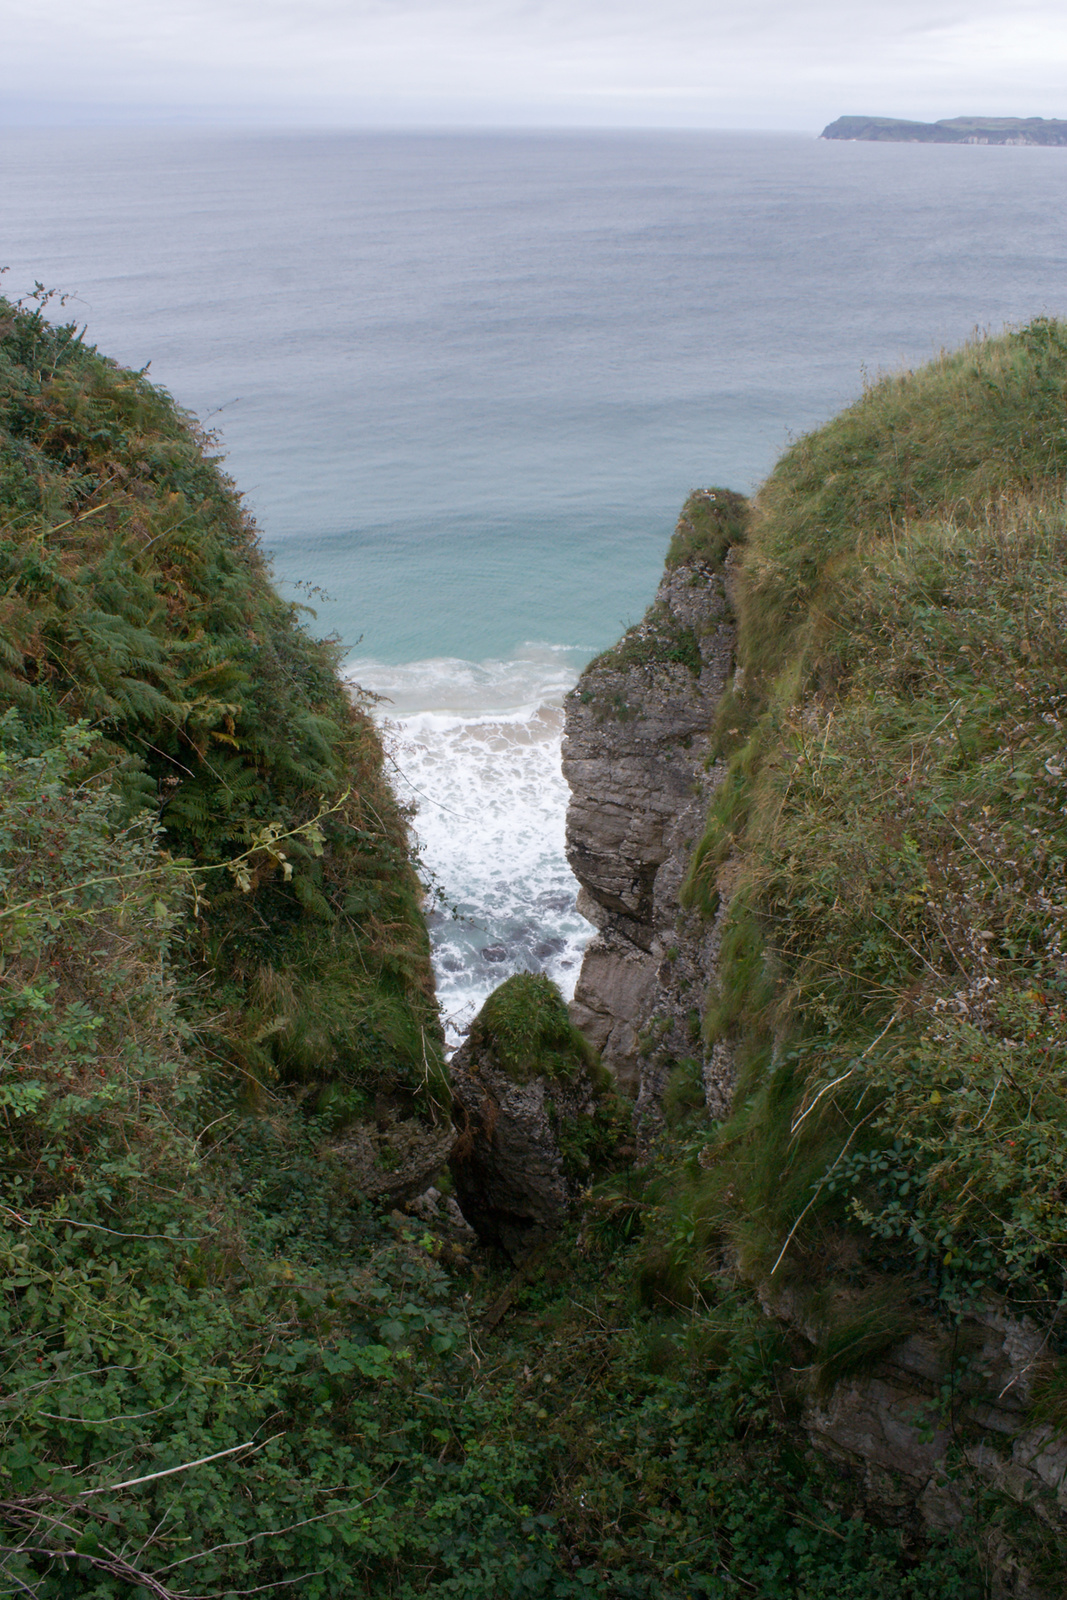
(893, 980)
(223, 1372)
(135, 598)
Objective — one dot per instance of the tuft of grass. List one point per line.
(711, 521)
(526, 1030)
(683, 1097)
(857, 1329)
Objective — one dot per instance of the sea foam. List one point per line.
(474, 749)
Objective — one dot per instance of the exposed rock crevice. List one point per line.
(634, 754)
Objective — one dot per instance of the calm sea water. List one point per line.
(466, 381)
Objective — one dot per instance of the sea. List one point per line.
(465, 381)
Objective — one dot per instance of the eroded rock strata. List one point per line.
(635, 756)
(943, 1416)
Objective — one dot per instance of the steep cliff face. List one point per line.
(634, 754)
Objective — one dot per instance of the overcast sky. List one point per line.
(681, 63)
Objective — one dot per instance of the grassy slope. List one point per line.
(135, 596)
(893, 979)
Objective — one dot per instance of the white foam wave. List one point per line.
(538, 674)
(490, 802)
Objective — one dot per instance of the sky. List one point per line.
(775, 64)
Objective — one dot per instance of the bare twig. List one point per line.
(186, 1466)
(114, 1567)
(282, 1583)
(71, 521)
(273, 1533)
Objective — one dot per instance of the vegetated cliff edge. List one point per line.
(218, 1034)
(136, 600)
(872, 926)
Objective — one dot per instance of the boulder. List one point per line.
(535, 1116)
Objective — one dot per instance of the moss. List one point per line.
(525, 1029)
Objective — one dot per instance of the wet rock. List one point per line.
(494, 952)
(551, 901)
(534, 1113)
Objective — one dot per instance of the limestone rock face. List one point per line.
(920, 1456)
(633, 754)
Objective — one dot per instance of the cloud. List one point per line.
(768, 63)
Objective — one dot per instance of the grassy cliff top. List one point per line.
(893, 979)
(524, 1029)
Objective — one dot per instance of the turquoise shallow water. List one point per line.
(466, 382)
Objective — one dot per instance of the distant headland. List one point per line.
(953, 130)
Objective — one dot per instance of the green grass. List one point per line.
(657, 640)
(711, 521)
(135, 596)
(946, 441)
(525, 1029)
(893, 976)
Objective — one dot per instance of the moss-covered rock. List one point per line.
(535, 1112)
